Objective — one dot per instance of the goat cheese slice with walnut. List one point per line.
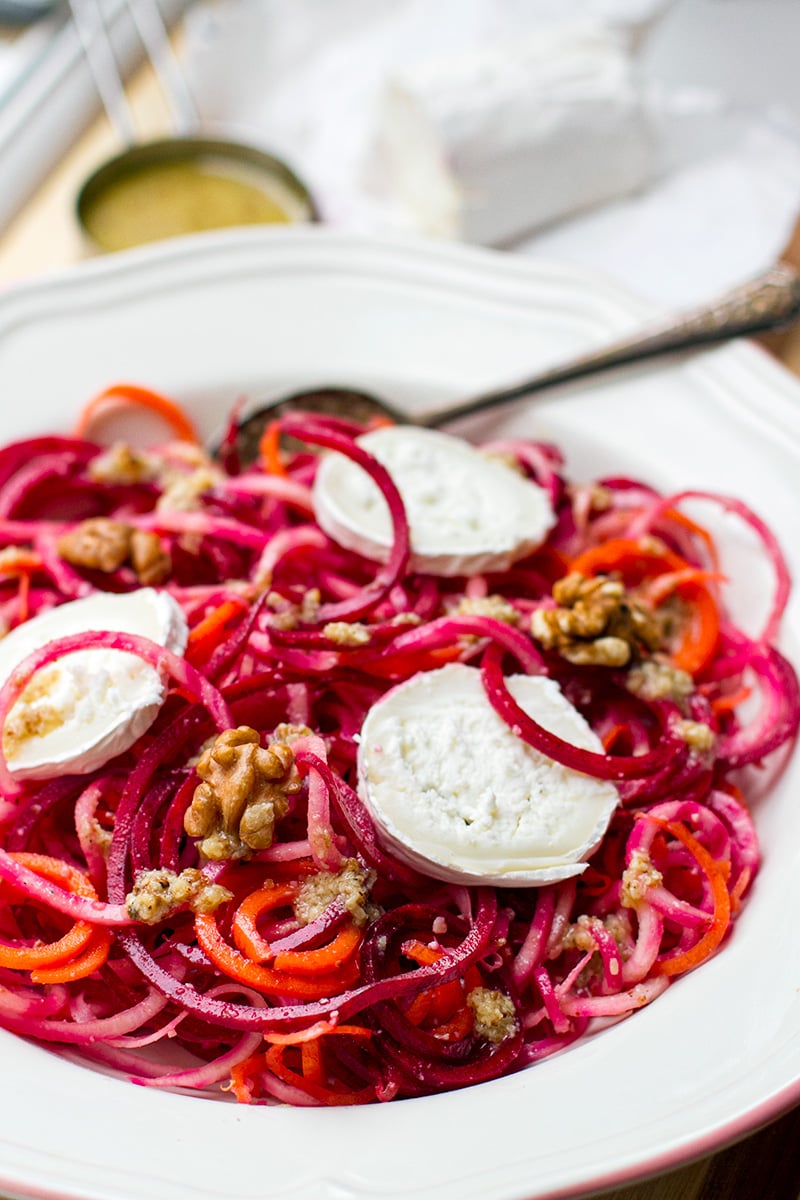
(456, 794)
(467, 512)
(85, 708)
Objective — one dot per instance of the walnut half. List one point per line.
(597, 622)
(244, 792)
(102, 544)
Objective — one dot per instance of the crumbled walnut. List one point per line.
(345, 633)
(285, 619)
(494, 1012)
(596, 622)
(601, 498)
(638, 876)
(292, 615)
(309, 608)
(99, 837)
(486, 606)
(602, 652)
(149, 559)
(182, 492)
(98, 544)
(159, 893)
(121, 464)
(38, 711)
(655, 679)
(289, 733)
(351, 882)
(580, 935)
(245, 791)
(698, 737)
(29, 720)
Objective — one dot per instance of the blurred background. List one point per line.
(655, 141)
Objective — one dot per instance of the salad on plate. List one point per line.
(382, 767)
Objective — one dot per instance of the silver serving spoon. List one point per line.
(767, 302)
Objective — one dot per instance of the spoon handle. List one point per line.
(767, 302)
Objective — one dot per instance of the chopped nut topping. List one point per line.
(157, 894)
(245, 791)
(149, 559)
(596, 622)
(309, 609)
(34, 714)
(600, 498)
(654, 679)
(289, 733)
(487, 606)
(698, 737)
(100, 544)
(345, 633)
(121, 464)
(352, 882)
(580, 935)
(494, 1012)
(99, 837)
(25, 723)
(294, 614)
(637, 877)
(182, 492)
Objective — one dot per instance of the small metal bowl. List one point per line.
(174, 186)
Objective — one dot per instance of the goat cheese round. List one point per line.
(82, 710)
(467, 512)
(456, 794)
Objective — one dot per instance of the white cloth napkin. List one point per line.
(524, 123)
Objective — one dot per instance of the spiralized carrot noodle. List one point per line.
(131, 395)
(316, 968)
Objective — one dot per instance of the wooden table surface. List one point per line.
(44, 237)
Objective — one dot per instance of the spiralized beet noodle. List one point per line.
(392, 984)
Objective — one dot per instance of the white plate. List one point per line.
(719, 1053)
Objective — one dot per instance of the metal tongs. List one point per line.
(91, 21)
